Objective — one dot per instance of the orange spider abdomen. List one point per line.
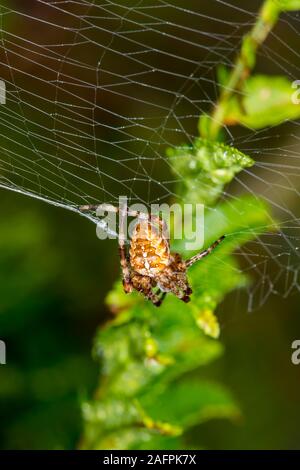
(149, 249)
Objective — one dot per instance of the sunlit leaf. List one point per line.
(207, 321)
(287, 5)
(203, 401)
(264, 101)
(205, 168)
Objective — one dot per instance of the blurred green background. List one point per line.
(54, 276)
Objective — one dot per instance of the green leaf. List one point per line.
(264, 101)
(123, 348)
(158, 442)
(205, 168)
(241, 220)
(287, 5)
(116, 416)
(113, 424)
(203, 401)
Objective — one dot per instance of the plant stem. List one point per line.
(244, 63)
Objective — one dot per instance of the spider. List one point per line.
(150, 267)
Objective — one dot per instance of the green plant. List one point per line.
(150, 391)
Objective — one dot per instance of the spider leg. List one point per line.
(162, 298)
(181, 288)
(160, 294)
(145, 285)
(140, 215)
(125, 269)
(95, 207)
(111, 208)
(130, 281)
(155, 299)
(204, 253)
(182, 293)
(163, 228)
(184, 284)
(184, 296)
(125, 265)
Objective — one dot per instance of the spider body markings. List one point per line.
(150, 267)
(153, 265)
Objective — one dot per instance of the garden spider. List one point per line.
(149, 267)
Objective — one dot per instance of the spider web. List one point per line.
(97, 90)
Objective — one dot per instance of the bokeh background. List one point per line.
(55, 274)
